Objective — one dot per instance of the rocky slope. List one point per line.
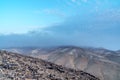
(19, 67)
(100, 62)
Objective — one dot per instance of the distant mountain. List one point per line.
(118, 52)
(100, 62)
(19, 67)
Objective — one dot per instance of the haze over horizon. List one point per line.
(93, 23)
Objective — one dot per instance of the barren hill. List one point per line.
(19, 67)
(100, 62)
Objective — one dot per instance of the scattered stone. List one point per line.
(19, 67)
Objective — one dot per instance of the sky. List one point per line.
(93, 23)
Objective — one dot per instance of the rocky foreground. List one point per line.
(19, 67)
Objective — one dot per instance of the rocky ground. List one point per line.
(19, 67)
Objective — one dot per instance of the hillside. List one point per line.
(19, 67)
(100, 62)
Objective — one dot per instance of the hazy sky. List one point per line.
(62, 22)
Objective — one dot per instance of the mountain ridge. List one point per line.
(17, 66)
(100, 62)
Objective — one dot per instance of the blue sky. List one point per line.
(65, 22)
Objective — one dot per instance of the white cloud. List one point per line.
(73, 3)
(73, 0)
(85, 0)
(54, 12)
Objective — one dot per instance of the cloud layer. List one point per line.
(81, 22)
(100, 30)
